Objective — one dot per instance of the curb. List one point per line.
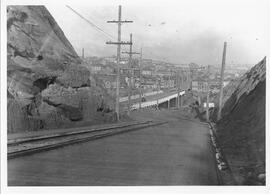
(222, 165)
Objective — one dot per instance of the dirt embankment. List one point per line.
(241, 130)
(48, 85)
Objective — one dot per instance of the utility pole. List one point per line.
(221, 80)
(207, 97)
(82, 53)
(187, 85)
(118, 43)
(182, 87)
(190, 78)
(158, 85)
(140, 78)
(130, 69)
(170, 78)
(178, 87)
(129, 87)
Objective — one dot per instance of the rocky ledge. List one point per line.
(47, 83)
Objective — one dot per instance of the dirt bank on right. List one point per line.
(241, 130)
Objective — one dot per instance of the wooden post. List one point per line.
(207, 97)
(182, 87)
(119, 22)
(140, 77)
(118, 64)
(178, 88)
(221, 81)
(82, 53)
(129, 73)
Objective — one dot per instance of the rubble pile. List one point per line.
(241, 130)
(47, 83)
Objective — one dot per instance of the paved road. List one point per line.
(177, 153)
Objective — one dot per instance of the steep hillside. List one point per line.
(47, 84)
(241, 129)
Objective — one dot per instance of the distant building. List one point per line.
(108, 80)
(95, 68)
(193, 66)
(163, 73)
(124, 71)
(110, 84)
(199, 86)
(149, 83)
(150, 61)
(108, 69)
(136, 72)
(147, 72)
(167, 84)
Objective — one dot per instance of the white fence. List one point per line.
(156, 102)
(123, 99)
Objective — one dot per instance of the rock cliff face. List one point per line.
(236, 90)
(242, 127)
(47, 83)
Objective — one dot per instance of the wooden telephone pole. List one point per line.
(130, 69)
(170, 77)
(182, 87)
(118, 43)
(140, 78)
(82, 53)
(178, 87)
(207, 97)
(221, 81)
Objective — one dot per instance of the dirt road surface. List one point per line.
(176, 153)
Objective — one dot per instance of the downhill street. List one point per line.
(176, 153)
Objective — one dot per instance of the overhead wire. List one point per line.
(91, 23)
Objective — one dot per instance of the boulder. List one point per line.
(47, 83)
(261, 177)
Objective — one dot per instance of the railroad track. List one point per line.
(30, 145)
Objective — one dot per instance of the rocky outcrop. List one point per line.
(47, 82)
(236, 90)
(241, 129)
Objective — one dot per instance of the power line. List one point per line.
(91, 23)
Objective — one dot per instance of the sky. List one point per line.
(181, 32)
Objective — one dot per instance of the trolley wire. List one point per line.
(91, 23)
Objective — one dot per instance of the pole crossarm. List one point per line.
(122, 42)
(122, 21)
(127, 68)
(133, 53)
(119, 43)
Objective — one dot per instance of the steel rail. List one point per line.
(53, 145)
(62, 134)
